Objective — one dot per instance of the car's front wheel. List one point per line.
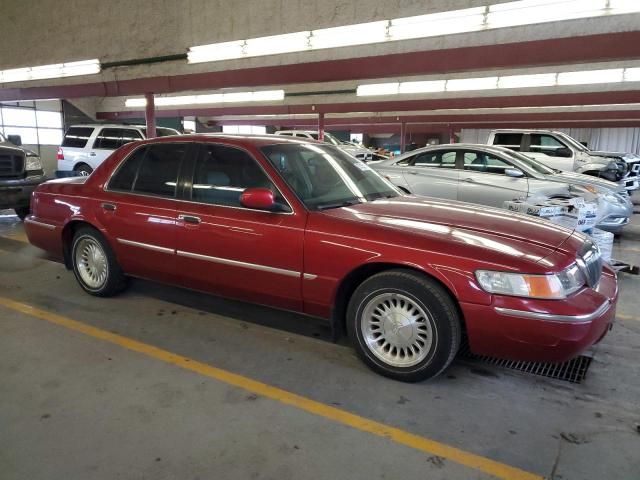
(95, 265)
(404, 325)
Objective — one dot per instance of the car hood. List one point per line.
(580, 179)
(462, 223)
(629, 157)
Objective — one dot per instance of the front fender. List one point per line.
(592, 167)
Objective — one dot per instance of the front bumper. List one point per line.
(17, 192)
(542, 330)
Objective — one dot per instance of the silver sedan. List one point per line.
(492, 175)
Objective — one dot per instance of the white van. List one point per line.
(562, 152)
(84, 147)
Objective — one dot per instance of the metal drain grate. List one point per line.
(573, 371)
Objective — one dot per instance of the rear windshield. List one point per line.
(77, 137)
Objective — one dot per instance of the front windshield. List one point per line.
(323, 176)
(574, 142)
(532, 163)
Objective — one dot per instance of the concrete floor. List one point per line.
(77, 407)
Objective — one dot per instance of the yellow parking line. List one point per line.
(622, 316)
(432, 447)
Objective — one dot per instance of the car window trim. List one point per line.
(188, 180)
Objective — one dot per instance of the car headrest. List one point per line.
(218, 178)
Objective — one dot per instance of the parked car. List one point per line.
(20, 173)
(303, 226)
(84, 147)
(349, 147)
(492, 175)
(558, 150)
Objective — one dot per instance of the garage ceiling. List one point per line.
(325, 81)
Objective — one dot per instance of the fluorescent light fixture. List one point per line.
(490, 16)
(632, 74)
(377, 89)
(525, 81)
(434, 24)
(586, 77)
(428, 86)
(528, 12)
(276, 44)
(216, 51)
(483, 83)
(231, 97)
(358, 34)
(58, 70)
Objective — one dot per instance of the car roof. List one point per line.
(258, 140)
(458, 146)
(523, 130)
(113, 125)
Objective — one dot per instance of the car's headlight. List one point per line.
(554, 286)
(33, 163)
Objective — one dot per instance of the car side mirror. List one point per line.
(15, 139)
(258, 199)
(514, 172)
(563, 152)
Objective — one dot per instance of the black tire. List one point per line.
(440, 316)
(115, 280)
(83, 170)
(22, 212)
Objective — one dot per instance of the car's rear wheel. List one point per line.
(95, 265)
(404, 325)
(83, 170)
(22, 212)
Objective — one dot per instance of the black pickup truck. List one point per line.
(20, 173)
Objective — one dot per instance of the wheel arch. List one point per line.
(68, 232)
(355, 277)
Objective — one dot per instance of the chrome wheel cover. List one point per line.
(83, 173)
(91, 263)
(396, 329)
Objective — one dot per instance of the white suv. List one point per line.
(360, 153)
(84, 147)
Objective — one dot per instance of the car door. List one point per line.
(138, 210)
(483, 179)
(433, 173)
(227, 249)
(547, 149)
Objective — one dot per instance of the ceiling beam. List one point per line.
(547, 100)
(572, 50)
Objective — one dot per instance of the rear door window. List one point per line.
(437, 159)
(77, 137)
(158, 172)
(124, 177)
(114, 138)
(509, 140)
(108, 139)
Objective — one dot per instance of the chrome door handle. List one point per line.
(109, 207)
(413, 172)
(189, 219)
(469, 180)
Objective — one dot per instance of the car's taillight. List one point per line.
(60, 154)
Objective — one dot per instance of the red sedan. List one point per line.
(302, 226)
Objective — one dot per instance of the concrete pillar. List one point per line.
(321, 126)
(403, 128)
(150, 115)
